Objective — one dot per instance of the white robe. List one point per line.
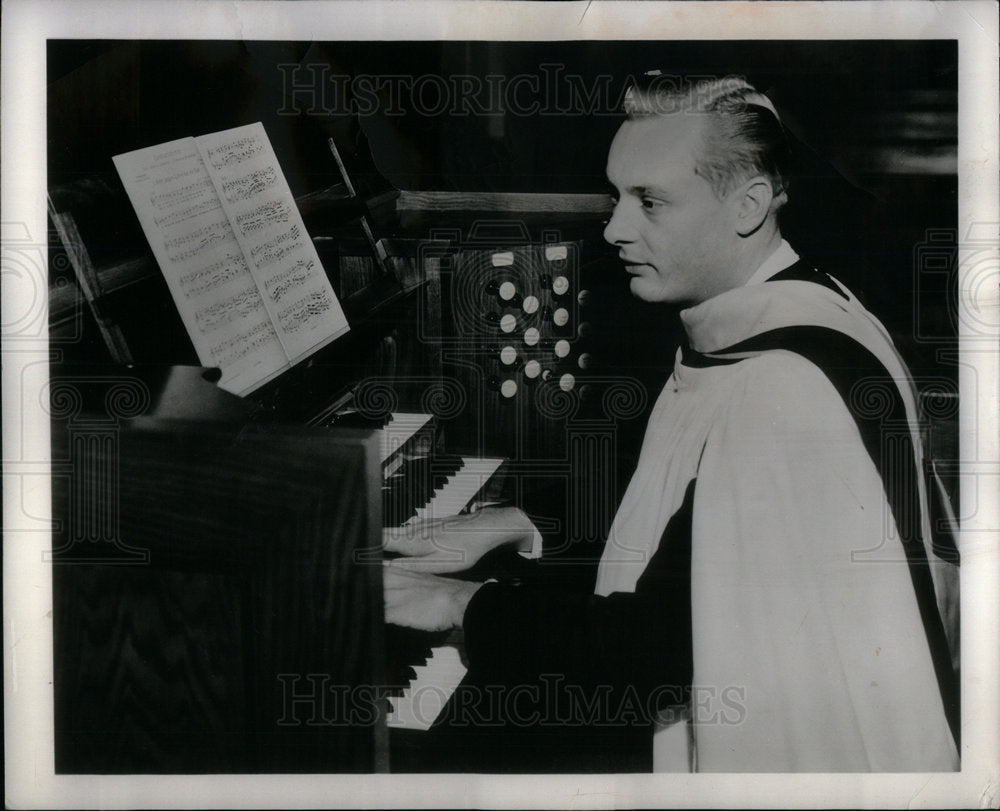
(809, 651)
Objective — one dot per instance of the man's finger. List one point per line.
(407, 587)
(405, 545)
(391, 571)
(434, 563)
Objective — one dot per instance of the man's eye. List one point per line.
(650, 204)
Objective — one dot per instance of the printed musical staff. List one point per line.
(277, 247)
(234, 152)
(244, 303)
(182, 195)
(304, 311)
(300, 273)
(207, 238)
(250, 185)
(264, 215)
(183, 215)
(196, 283)
(227, 352)
(219, 226)
(197, 170)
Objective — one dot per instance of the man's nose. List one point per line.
(618, 231)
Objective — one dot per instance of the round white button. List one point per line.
(567, 381)
(508, 388)
(507, 291)
(560, 317)
(508, 355)
(531, 336)
(530, 304)
(532, 369)
(508, 322)
(562, 348)
(560, 284)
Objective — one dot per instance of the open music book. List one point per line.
(230, 241)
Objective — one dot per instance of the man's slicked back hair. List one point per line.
(743, 135)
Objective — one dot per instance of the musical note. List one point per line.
(276, 248)
(209, 238)
(197, 282)
(295, 276)
(187, 213)
(234, 152)
(194, 171)
(269, 213)
(219, 225)
(241, 305)
(181, 195)
(296, 316)
(249, 185)
(227, 352)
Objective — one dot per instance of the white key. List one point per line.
(401, 429)
(460, 488)
(425, 697)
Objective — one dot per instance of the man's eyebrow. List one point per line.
(655, 191)
(636, 191)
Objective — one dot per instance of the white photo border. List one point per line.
(30, 780)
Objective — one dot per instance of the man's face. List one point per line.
(677, 238)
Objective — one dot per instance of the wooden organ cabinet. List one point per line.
(216, 561)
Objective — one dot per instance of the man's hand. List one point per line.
(423, 601)
(445, 545)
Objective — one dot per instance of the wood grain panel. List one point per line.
(253, 588)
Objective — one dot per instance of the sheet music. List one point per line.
(190, 236)
(269, 229)
(229, 239)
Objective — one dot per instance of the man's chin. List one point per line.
(644, 291)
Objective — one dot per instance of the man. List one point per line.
(765, 558)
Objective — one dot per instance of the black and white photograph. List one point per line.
(500, 404)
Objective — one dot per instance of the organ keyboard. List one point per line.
(456, 491)
(420, 484)
(454, 483)
(423, 699)
(398, 433)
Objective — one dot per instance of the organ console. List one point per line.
(458, 380)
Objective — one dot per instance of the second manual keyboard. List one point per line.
(434, 487)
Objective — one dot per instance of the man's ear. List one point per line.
(753, 205)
